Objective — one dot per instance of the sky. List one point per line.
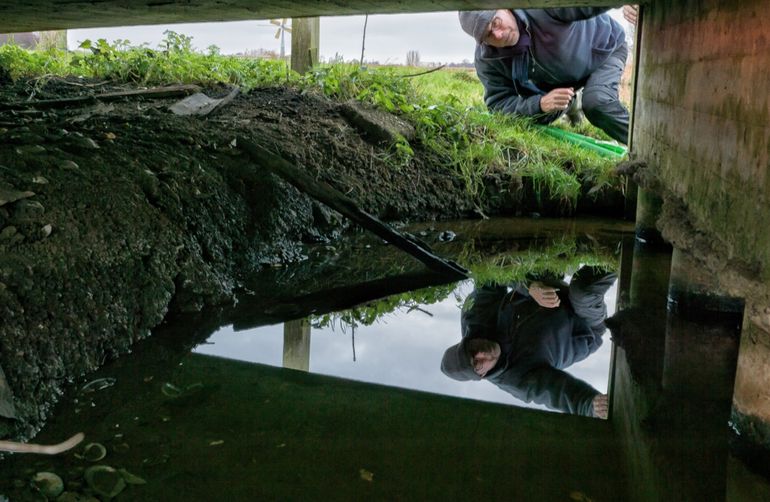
(403, 349)
(436, 36)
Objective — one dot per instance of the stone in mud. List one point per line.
(7, 408)
(48, 483)
(104, 480)
(30, 150)
(375, 126)
(94, 452)
(7, 233)
(81, 144)
(68, 165)
(150, 185)
(27, 211)
(9, 194)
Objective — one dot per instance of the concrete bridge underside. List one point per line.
(37, 15)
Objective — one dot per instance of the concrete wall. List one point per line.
(702, 117)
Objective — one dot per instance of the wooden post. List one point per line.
(296, 344)
(305, 36)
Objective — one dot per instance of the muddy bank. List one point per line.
(113, 215)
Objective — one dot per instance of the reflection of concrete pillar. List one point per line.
(702, 335)
(305, 40)
(751, 400)
(650, 268)
(296, 345)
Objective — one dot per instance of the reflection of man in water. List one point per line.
(522, 340)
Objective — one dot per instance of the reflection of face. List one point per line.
(484, 355)
(503, 30)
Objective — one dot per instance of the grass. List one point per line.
(446, 107)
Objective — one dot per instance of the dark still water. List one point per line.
(325, 382)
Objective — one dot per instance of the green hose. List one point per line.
(603, 148)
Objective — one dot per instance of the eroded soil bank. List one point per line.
(114, 214)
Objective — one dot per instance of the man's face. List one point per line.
(484, 355)
(502, 30)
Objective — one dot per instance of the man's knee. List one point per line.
(599, 101)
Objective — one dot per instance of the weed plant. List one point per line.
(446, 107)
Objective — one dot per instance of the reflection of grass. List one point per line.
(560, 256)
(365, 315)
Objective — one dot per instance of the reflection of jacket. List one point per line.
(536, 344)
(566, 46)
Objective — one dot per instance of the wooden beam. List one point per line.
(305, 37)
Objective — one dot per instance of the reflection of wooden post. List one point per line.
(296, 345)
(305, 37)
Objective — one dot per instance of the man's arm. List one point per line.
(479, 312)
(569, 15)
(556, 389)
(500, 93)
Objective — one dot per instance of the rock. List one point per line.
(9, 194)
(94, 452)
(131, 479)
(104, 480)
(30, 150)
(150, 185)
(7, 407)
(40, 180)
(81, 143)
(69, 497)
(68, 165)
(46, 231)
(376, 126)
(27, 211)
(447, 236)
(48, 483)
(7, 233)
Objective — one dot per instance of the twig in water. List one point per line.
(53, 449)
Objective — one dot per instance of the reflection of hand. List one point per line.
(556, 100)
(545, 296)
(601, 406)
(631, 13)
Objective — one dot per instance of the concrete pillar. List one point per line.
(305, 38)
(296, 345)
(648, 208)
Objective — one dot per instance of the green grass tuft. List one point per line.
(446, 107)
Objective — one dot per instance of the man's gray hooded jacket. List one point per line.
(566, 46)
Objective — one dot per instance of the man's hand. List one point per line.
(557, 100)
(545, 296)
(631, 13)
(601, 406)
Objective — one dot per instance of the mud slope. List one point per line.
(113, 214)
